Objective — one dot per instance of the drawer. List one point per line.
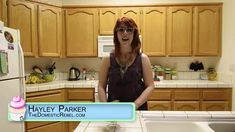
(216, 94)
(187, 94)
(54, 127)
(81, 94)
(160, 94)
(46, 96)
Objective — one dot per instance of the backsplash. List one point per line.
(93, 64)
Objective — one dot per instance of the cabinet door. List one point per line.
(159, 105)
(154, 31)
(49, 28)
(44, 96)
(207, 31)
(22, 16)
(1, 10)
(179, 31)
(81, 32)
(215, 106)
(133, 13)
(107, 20)
(54, 127)
(186, 106)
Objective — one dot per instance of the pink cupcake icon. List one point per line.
(17, 109)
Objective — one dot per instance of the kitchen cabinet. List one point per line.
(154, 31)
(179, 30)
(54, 127)
(109, 16)
(46, 96)
(79, 95)
(214, 99)
(107, 20)
(40, 27)
(22, 15)
(81, 32)
(160, 99)
(207, 30)
(1, 10)
(191, 99)
(49, 31)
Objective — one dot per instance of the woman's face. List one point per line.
(125, 35)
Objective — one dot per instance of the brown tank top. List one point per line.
(126, 88)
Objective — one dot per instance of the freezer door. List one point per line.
(13, 57)
(9, 89)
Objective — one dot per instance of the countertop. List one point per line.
(157, 84)
(142, 116)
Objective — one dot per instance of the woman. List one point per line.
(126, 73)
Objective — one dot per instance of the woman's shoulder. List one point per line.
(144, 56)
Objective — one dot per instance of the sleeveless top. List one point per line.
(129, 87)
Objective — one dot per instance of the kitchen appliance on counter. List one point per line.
(12, 81)
(74, 74)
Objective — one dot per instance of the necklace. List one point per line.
(124, 65)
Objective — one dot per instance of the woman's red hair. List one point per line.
(135, 44)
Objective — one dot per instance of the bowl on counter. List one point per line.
(49, 77)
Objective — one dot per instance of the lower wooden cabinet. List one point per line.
(79, 95)
(159, 105)
(191, 99)
(215, 106)
(53, 127)
(58, 95)
(186, 105)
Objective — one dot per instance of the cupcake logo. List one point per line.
(16, 109)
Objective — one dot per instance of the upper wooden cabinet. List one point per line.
(50, 31)
(22, 15)
(132, 12)
(154, 31)
(81, 32)
(1, 10)
(107, 20)
(179, 29)
(109, 16)
(39, 25)
(207, 30)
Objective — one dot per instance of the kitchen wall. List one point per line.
(224, 65)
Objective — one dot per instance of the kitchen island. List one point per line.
(167, 121)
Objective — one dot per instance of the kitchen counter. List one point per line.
(163, 117)
(94, 83)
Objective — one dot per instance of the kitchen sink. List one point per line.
(176, 126)
(222, 126)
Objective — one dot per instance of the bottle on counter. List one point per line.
(84, 74)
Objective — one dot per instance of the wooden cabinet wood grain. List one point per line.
(154, 31)
(191, 99)
(207, 30)
(79, 95)
(49, 31)
(109, 16)
(45, 96)
(107, 20)
(179, 30)
(41, 27)
(53, 127)
(22, 15)
(81, 32)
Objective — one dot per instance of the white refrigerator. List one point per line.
(12, 81)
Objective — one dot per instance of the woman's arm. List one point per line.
(148, 80)
(103, 74)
